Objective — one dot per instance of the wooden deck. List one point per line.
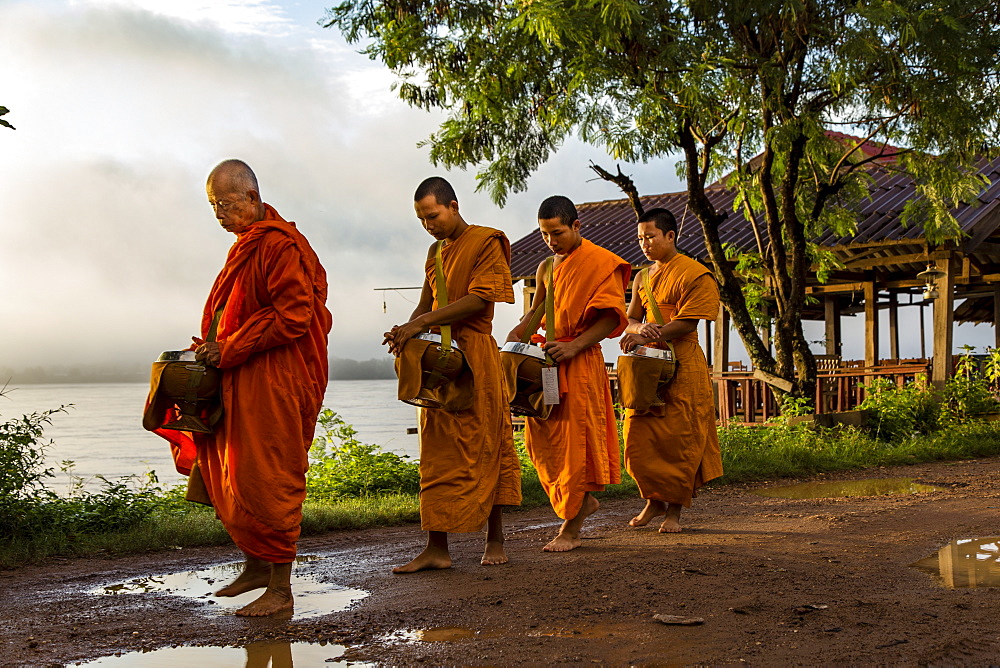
(743, 399)
(840, 386)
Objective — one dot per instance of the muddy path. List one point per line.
(777, 582)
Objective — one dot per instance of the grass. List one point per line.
(749, 454)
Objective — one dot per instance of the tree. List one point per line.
(3, 112)
(717, 82)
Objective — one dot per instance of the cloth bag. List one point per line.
(643, 381)
(432, 374)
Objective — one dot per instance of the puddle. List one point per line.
(436, 634)
(826, 490)
(256, 655)
(966, 562)
(312, 598)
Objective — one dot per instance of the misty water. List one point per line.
(103, 435)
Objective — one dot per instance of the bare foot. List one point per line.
(562, 543)
(272, 601)
(256, 574)
(431, 558)
(653, 509)
(569, 533)
(494, 553)
(672, 522)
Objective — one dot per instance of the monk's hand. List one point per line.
(208, 353)
(400, 334)
(389, 338)
(649, 330)
(514, 335)
(561, 351)
(630, 341)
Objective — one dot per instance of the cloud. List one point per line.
(122, 108)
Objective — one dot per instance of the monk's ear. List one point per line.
(575, 225)
(253, 196)
(453, 206)
(671, 237)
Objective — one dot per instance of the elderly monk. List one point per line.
(673, 449)
(271, 344)
(576, 449)
(468, 466)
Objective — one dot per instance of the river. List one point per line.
(102, 434)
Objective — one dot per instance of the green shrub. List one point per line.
(968, 392)
(31, 509)
(897, 413)
(343, 467)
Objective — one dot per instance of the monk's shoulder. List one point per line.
(600, 254)
(481, 235)
(688, 270)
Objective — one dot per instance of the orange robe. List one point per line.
(273, 340)
(467, 459)
(576, 449)
(672, 450)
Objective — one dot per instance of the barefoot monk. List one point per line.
(265, 326)
(576, 449)
(468, 466)
(673, 449)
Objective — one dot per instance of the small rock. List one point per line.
(677, 619)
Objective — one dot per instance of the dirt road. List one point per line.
(777, 582)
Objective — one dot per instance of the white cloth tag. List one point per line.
(550, 385)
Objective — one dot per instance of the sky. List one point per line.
(107, 244)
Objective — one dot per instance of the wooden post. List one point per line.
(831, 317)
(708, 342)
(765, 330)
(944, 318)
(720, 357)
(871, 324)
(528, 292)
(923, 335)
(996, 315)
(893, 326)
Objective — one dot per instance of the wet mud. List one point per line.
(840, 488)
(823, 581)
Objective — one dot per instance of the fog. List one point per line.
(107, 244)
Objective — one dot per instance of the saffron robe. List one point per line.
(467, 459)
(576, 450)
(273, 341)
(672, 450)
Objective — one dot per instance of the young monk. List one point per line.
(672, 450)
(468, 467)
(576, 449)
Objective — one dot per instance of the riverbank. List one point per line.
(777, 581)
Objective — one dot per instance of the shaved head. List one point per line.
(233, 176)
(435, 185)
(234, 196)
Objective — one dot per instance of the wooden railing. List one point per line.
(746, 400)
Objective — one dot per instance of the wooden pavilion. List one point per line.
(881, 263)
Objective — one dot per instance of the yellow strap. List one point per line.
(536, 317)
(653, 306)
(550, 310)
(550, 301)
(442, 295)
(214, 327)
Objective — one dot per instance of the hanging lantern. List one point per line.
(929, 276)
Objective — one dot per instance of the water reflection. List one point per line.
(256, 655)
(966, 562)
(312, 598)
(869, 487)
